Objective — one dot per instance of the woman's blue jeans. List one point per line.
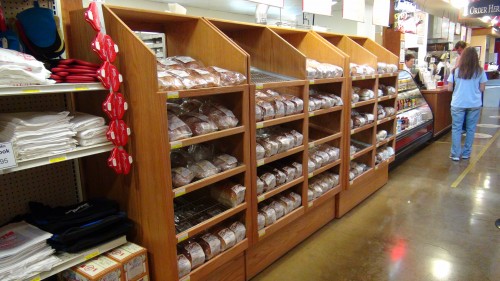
(458, 116)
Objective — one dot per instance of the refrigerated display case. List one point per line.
(414, 119)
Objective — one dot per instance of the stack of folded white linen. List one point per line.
(37, 134)
(90, 129)
(24, 251)
(19, 69)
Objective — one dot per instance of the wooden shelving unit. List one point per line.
(147, 194)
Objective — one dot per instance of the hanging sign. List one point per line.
(353, 10)
(381, 10)
(481, 8)
(458, 28)
(319, 7)
(469, 35)
(463, 33)
(275, 3)
(7, 159)
(405, 6)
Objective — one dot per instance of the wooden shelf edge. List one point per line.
(324, 168)
(326, 111)
(197, 229)
(322, 129)
(279, 189)
(51, 89)
(326, 80)
(358, 178)
(279, 224)
(362, 103)
(210, 266)
(271, 85)
(318, 142)
(206, 137)
(277, 121)
(208, 181)
(330, 194)
(387, 75)
(386, 141)
(386, 119)
(362, 152)
(202, 92)
(364, 77)
(365, 127)
(384, 98)
(273, 158)
(385, 162)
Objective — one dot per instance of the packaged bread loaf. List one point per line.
(314, 103)
(285, 142)
(177, 129)
(183, 265)
(198, 123)
(270, 215)
(181, 176)
(370, 118)
(281, 177)
(167, 63)
(269, 181)
(289, 173)
(259, 186)
(167, 82)
(227, 77)
(390, 111)
(187, 80)
(259, 113)
(310, 195)
(287, 202)
(225, 162)
(311, 165)
(187, 62)
(381, 135)
(366, 94)
(354, 97)
(211, 245)
(180, 158)
(270, 147)
(194, 253)
(210, 79)
(266, 108)
(298, 137)
(297, 199)
(203, 169)
(260, 151)
(316, 160)
(325, 157)
(239, 230)
(316, 189)
(278, 207)
(297, 167)
(296, 106)
(228, 193)
(380, 112)
(191, 105)
(226, 237)
(220, 115)
(203, 151)
(261, 220)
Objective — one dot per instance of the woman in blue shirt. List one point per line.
(468, 81)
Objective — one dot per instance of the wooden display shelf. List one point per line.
(365, 127)
(326, 80)
(206, 137)
(384, 98)
(362, 152)
(364, 77)
(325, 111)
(202, 92)
(200, 273)
(278, 156)
(362, 103)
(383, 55)
(386, 119)
(314, 143)
(387, 75)
(280, 223)
(199, 228)
(385, 163)
(208, 181)
(323, 129)
(386, 141)
(278, 121)
(361, 177)
(279, 189)
(283, 84)
(327, 196)
(324, 168)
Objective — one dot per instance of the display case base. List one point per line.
(361, 189)
(267, 251)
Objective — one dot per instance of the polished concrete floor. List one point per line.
(417, 227)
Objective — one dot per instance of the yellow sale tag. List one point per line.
(310, 204)
(259, 86)
(260, 125)
(311, 175)
(262, 232)
(81, 88)
(186, 278)
(261, 198)
(312, 82)
(31, 91)
(180, 192)
(311, 114)
(57, 159)
(353, 105)
(175, 144)
(173, 95)
(36, 278)
(92, 255)
(183, 237)
(260, 162)
(311, 145)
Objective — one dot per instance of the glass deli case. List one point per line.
(414, 119)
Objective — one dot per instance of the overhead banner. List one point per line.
(381, 10)
(320, 7)
(353, 10)
(275, 3)
(481, 8)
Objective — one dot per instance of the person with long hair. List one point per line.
(467, 82)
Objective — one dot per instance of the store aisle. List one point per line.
(417, 227)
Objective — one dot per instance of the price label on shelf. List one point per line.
(373, 76)
(363, 77)
(81, 88)
(352, 158)
(183, 237)
(260, 125)
(311, 175)
(176, 144)
(58, 159)
(262, 232)
(7, 159)
(261, 198)
(31, 91)
(260, 162)
(351, 182)
(259, 86)
(36, 278)
(180, 192)
(92, 254)
(173, 95)
(312, 82)
(376, 168)
(354, 105)
(311, 145)
(185, 278)
(310, 204)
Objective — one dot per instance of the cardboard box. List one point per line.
(96, 269)
(133, 260)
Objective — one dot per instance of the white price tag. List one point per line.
(7, 159)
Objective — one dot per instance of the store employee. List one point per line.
(409, 62)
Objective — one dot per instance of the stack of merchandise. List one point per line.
(90, 129)
(37, 134)
(82, 226)
(24, 251)
(74, 71)
(19, 69)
